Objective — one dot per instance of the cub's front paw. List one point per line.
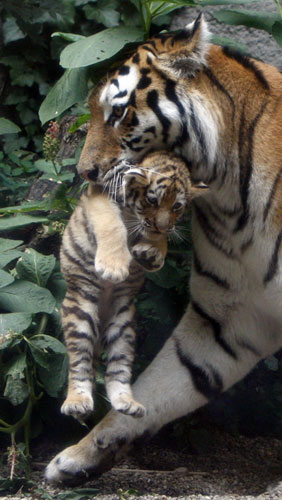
(148, 256)
(114, 266)
(78, 405)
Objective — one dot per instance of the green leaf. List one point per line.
(225, 2)
(103, 14)
(40, 357)
(8, 223)
(16, 365)
(23, 296)
(99, 47)
(16, 322)
(7, 244)
(250, 18)
(229, 42)
(277, 32)
(70, 37)
(8, 127)
(11, 31)
(36, 267)
(69, 89)
(58, 366)
(169, 276)
(5, 278)
(47, 342)
(16, 391)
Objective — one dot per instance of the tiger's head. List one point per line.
(157, 191)
(141, 107)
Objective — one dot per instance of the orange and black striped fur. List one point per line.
(96, 313)
(222, 113)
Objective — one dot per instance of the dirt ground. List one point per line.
(231, 468)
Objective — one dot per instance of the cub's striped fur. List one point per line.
(222, 112)
(97, 314)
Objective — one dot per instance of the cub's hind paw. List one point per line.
(78, 406)
(113, 267)
(148, 256)
(126, 404)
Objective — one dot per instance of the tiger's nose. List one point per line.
(91, 175)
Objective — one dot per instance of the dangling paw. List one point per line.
(78, 405)
(125, 403)
(113, 266)
(148, 256)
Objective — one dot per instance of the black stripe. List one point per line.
(273, 265)
(208, 274)
(122, 93)
(200, 378)
(211, 234)
(216, 328)
(76, 363)
(136, 58)
(124, 70)
(248, 64)
(170, 93)
(82, 293)
(80, 314)
(114, 81)
(144, 82)
(117, 357)
(220, 87)
(149, 49)
(153, 103)
(118, 334)
(85, 256)
(271, 195)
(246, 165)
(76, 334)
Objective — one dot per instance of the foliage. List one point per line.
(29, 347)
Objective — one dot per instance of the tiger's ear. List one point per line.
(185, 52)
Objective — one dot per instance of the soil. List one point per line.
(228, 469)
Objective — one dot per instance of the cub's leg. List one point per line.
(112, 257)
(80, 324)
(194, 365)
(119, 338)
(150, 254)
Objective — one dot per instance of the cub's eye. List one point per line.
(118, 110)
(153, 200)
(177, 205)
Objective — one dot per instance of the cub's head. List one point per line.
(157, 191)
(139, 108)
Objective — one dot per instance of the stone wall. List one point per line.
(259, 43)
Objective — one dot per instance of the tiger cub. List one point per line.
(98, 314)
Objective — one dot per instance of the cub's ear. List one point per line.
(185, 52)
(135, 177)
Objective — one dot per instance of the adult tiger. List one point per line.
(222, 112)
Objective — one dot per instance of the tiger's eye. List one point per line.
(118, 110)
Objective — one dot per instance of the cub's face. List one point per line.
(157, 191)
(139, 109)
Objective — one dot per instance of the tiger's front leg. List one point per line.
(191, 368)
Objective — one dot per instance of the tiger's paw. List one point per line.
(148, 256)
(113, 266)
(125, 403)
(85, 460)
(78, 405)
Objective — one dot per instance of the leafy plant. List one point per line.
(28, 352)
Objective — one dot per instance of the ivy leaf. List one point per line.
(11, 31)
(16, 322)
(69, 89)
(16, 365)
(8, 127)
(99, 47)
(104, 13)
(16, 391)
(5, 278)
(70, 37)
(24, 296)
(6, 244)
(35, 267)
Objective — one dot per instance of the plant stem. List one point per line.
(42, 324)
